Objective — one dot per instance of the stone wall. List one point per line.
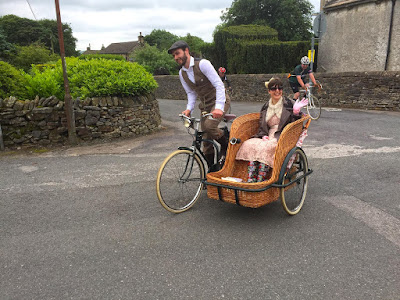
(365, 90)
(43, 121)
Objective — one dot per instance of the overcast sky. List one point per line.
(98, 22)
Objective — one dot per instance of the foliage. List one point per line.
(241, 32)
(291, 18)
(32, 54)
(24, 32)
(155, 61)
(195, 44)
(161, 39)
(12, 82)
(263, 57)
(45, 82)
(99, 56)
(6, 48)
(92, 78)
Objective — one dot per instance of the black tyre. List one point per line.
(180, 181)
(293, 196)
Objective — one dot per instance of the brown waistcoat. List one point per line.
(202, 86)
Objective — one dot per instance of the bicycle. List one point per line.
(314, 105)
(180, 179)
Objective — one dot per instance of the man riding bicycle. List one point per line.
(200, 80)
(298, 76)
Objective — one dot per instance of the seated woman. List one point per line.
(274, 116)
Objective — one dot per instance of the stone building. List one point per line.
(125, 49)
(361, 35)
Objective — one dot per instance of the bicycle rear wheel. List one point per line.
(314, 107)
(293, 196)
(180, 181)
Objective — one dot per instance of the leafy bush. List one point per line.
(155, 61)
(99, 56)
(92, 78)
(45, 81)
(12, 81)
(32, 54)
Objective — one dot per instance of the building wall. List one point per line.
(356, 37)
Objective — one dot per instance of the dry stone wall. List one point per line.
(363, 90)
(43, 121)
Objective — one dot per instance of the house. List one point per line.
(125, 48)
(360, 36)
(90, 51)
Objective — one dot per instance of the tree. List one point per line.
(6, 48)
(155, 61)
(291, 18)
(160, 38)
(24, 32)
(32, 54)
(195, 43)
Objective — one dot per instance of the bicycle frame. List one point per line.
(197, 136)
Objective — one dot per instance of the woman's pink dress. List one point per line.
(256, 149)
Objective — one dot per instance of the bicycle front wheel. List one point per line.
(180, 181)
(314, 108)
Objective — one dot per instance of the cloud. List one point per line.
(102, 22)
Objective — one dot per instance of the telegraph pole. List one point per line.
(69, 111)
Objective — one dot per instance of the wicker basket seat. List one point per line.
(243, 128)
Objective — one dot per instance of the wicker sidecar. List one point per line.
(288, 179)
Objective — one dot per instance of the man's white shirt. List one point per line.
(208, 70)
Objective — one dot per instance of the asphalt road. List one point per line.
(85, 222)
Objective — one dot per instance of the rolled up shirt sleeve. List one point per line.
(208, 70)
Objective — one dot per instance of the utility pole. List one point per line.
(69, 111)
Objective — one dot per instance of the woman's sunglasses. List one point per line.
(276, 88)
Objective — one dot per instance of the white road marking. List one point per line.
(338, 150)
(28, 169)
(331, 109)
(378, 220)
(379, 138)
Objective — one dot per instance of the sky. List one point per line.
(102, 22)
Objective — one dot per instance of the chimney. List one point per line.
(88, 48)
(141, 39)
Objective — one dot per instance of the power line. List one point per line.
(31, 9)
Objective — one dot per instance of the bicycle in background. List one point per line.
(314, 105)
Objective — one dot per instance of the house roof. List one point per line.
(120, 48)
(91, 51)
(339, 4)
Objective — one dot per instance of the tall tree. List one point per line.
(24, 32)
(6, 48)
(161, 38)
(291, 18)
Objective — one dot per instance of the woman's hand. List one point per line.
(265, 138)
(298, 105)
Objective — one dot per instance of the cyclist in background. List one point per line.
(298, 76)
(222, 75)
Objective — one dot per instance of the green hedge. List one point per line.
(264, 57)
(91, 78)
(12, 81)
(238, 33)
(99, 56)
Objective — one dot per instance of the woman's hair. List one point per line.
(274, 82)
